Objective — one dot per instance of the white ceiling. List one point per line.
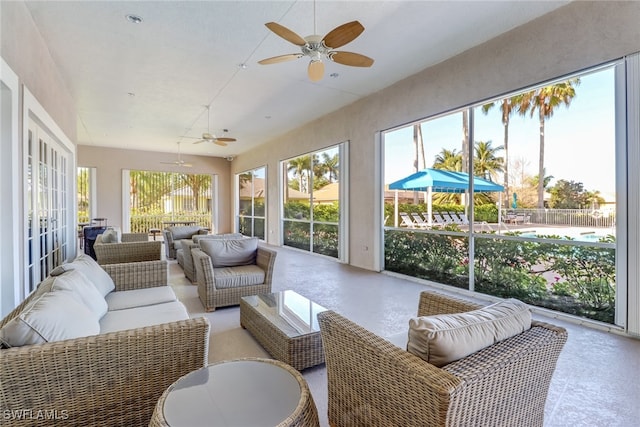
(186, 55)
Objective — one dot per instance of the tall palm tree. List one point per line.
(331, 165)
(487, 163)
(300, 167)
(545, 101)
(507, 106)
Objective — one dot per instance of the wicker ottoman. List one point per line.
(285, 324)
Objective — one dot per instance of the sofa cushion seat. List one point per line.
(232, 277)
(138, 317)
(123, 300)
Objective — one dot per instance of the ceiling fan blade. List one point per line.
(187, 165)
(315, 70)
(286, 33)
(220, 143)
(190, 137)
(343, 34)
(199, 142)
(226, 139)
(350, 58)
(280, 58)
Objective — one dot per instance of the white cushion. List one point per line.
(122, 300)
(96, 275)
(131, 318)
(55, 316)
(80, 285)
(230, 252)
(445, 338)
(197, 237)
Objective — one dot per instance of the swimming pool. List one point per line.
(564, 235)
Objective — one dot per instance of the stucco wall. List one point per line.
(577, 36)
(111, 161)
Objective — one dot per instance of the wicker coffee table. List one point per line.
(285, 324)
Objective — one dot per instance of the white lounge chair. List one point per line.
(439, 220)
(406, 220)
(420, 222)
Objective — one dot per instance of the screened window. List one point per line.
(312, 208)
(252, 197)
(157, 199)
(535, 219)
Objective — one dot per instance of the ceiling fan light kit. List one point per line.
(319, 48)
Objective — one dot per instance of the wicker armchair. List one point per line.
(102, 380)
(135, 247)
(374, 383)
(212, 296)
(174, 234)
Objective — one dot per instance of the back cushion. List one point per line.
(445, 338)
(230, 252)
(80, 285)
(55, 316)
(96, 275)
(110, 236)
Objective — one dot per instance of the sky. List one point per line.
(579, 140)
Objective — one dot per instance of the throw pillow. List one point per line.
(110, 236)
(445, 338)
(96, 275)
(55, 316)
(230, 252)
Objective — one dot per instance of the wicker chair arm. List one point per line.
(138, 275)
(373, 382)
(102, 380)
(204, 268)
(266, 259)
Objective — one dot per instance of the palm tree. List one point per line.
(507, 106)
(331, 165)
(300, 167)
(449, 160)
(486, 161)
(546, 100)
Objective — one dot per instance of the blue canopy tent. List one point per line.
(442, 181)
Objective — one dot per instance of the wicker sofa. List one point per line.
(133, 247)
(174, 234)
(373, 382)
(221, 285)
(109, 378)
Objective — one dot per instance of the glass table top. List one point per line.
(241, 393)
(292, 313)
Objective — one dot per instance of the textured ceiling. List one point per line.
(185, 55)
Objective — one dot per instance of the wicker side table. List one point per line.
(285, 324)
(247, 392)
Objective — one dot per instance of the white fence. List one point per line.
(568, 217)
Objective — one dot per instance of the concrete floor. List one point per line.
(595, 383)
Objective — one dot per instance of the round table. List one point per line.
(243, 392)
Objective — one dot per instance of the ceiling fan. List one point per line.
(208, 136)
(320, 48)
(179, 162)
